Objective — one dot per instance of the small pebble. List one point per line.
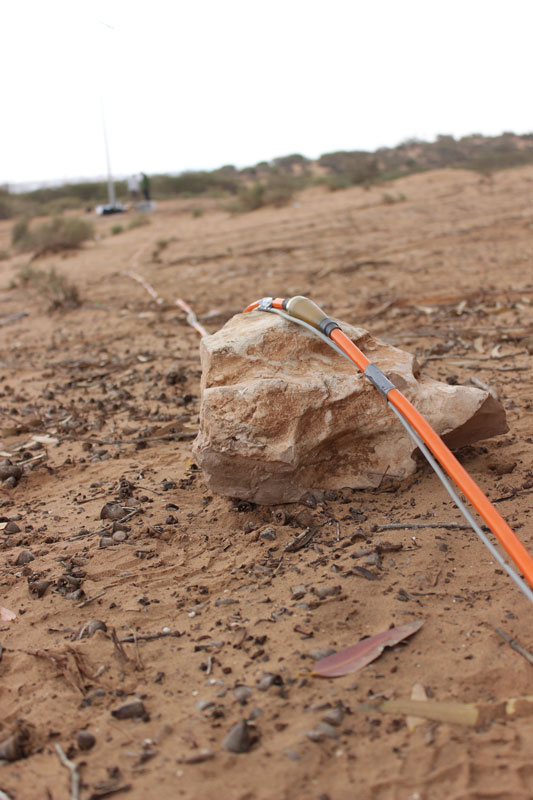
(267, 680)
(112, 511)
(298, 592)
(334, 716)
(131, 710)
(86, 740)
(38, 588)
(269, 534)
(322, 653)
(24, 557)
(328, 591)
(328, 730)
(106, 541)
(238, 740)
(12, 527)
(242, 694)
(314, 736)
(119, 536)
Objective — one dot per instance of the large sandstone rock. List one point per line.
(283, 414)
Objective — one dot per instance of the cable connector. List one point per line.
(378, 379)
(265, 304)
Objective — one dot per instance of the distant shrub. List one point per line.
(116, 229)
(138, 221)
(20, 233)
(391, 199)
(8, 206)
(335, 183)
(197, 212)
(61, 233)
(4, 254)
(250, 198)
(279, 191)
(52, 285)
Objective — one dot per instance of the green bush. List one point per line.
(116, 229)
(52, 285)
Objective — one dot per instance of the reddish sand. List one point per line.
(445, 273)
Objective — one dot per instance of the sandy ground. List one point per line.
(445, 273)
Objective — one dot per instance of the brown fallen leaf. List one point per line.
(362, 653)
(6, 615)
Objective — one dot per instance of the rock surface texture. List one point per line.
(283, 414)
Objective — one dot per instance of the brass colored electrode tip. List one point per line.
(304, 309)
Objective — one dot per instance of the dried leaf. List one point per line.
(362, 653)
(478, 344)
(44, 439)
(6, 615)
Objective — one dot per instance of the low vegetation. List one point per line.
(274, 182)
(55, 287)
(61, 233)
(138, 221)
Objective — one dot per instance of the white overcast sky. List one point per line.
(195, 84)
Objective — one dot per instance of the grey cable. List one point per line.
(522, 585)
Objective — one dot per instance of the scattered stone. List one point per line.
(197, 757)
(238, 740)
(300, 411)
(10, 482)
(269, 534)
(280, 516)
(113, 511)
(38, 588)
(106, 541)
(334, 716)
(86, 740)
(314, 736)
(328, 591)
(132, 710)
(225, 601)
(328, 730)
(501, 467)
(269, 679)
(12, 527)
(242, 694)
(118, 537)
(204, 705)
(12, 748)
(24, 557)
(9, 470)
(321, 653)
(298, 592)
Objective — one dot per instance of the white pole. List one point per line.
(110, 184)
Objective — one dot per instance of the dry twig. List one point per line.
(74, 774)
(514, 644)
